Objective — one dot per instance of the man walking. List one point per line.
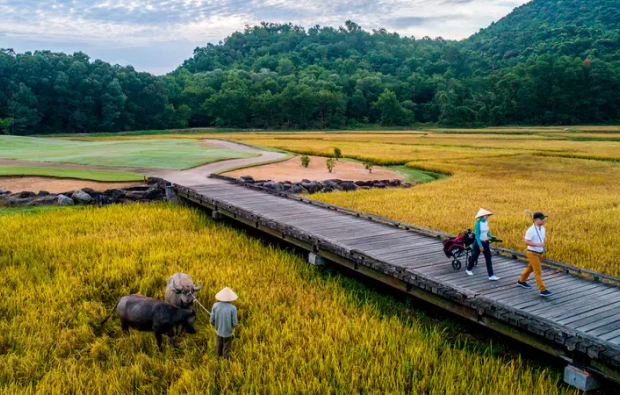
(535, 241)
(224, 319)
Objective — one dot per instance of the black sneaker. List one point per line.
(546, 293)
(524, 285)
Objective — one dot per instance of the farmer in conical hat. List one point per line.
(224, 319)
(482, 244)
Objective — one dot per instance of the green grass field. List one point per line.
(81, 174)
(175, 154)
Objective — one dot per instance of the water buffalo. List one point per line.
(180, 290)
(152, 315)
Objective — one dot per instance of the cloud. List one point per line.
(161, 27)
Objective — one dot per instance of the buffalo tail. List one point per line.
(109, 315)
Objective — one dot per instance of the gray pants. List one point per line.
(223, 345)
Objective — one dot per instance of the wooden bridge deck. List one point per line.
(580, 323)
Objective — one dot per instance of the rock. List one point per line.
(348, 186)
(89, 191)
(45, 201)
(362, 183)
(305, 180)
(141, 188)
(81, 197)
(286, 187)
(103, 200)
(336, 181)
(406, 185)
(270, 185)
(115, 193)
(64, 200)
(155, 180)
(135, 195)
(248, 179)
(4, 192)
(154, 193)
(43, 193)
(67, 194)
(379, 185)
(394, 183)
(296, 188)
(13, 201)
(24, 194)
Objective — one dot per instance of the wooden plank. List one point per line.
(346, 238)
(382, 243)
(579, 310)
(576, 299)
(566, 297)
(610, 327)
(590, 324)
(610, 336)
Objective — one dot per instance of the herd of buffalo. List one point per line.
(158, 316)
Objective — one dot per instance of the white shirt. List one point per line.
(484, 230)
(537, 235)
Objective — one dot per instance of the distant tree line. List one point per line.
(547, 63)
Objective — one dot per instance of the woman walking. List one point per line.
(482, 244)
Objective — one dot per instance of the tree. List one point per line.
(368, 165)
(305, 161)
(337, 153)
(23, 109)
(6, 124)
(330, 163)
(392, 113)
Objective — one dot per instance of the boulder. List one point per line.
(4, 192)
(155, 181)
(248, 179)
(43, 193)
(14, 201)
(305, 180)
(81, 197)
(89, 191)
(24, 194)
(362, 183)
(67, 194)
(379, 185)
(115, 193)
(296, 188)
(45, 201)
(270, 185)
(65, 201)
(135, 195)
(348, 186)
(103, 200)
(141, 188)
(336, 181)
(394, 183)
(154, 193)
(406, 185)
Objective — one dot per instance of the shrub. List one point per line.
(305, 161)
(369, 164)
(337, 153)
(331, 163)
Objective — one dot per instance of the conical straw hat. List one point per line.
(226, 295)
(482, 212)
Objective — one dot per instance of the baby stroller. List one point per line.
(459, 248)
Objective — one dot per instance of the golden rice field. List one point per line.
(504, 174)
(302, 330)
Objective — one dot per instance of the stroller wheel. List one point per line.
(456, 264)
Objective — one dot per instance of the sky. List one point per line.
(157, 36)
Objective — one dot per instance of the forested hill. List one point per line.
(548, 62)
(576, 28)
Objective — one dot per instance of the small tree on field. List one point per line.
(337, 153)
(330, 163)
(369, 165)
(6, 124)
(305, 161)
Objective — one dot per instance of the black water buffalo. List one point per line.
(152, 315)
(180, 290)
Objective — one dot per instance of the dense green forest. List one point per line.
(547, 63)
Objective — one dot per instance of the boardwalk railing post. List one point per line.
(316, 260)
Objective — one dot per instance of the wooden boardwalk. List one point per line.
(580, 323)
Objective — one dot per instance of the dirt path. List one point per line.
(291, 170)
(195, 176)
(198, 175)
